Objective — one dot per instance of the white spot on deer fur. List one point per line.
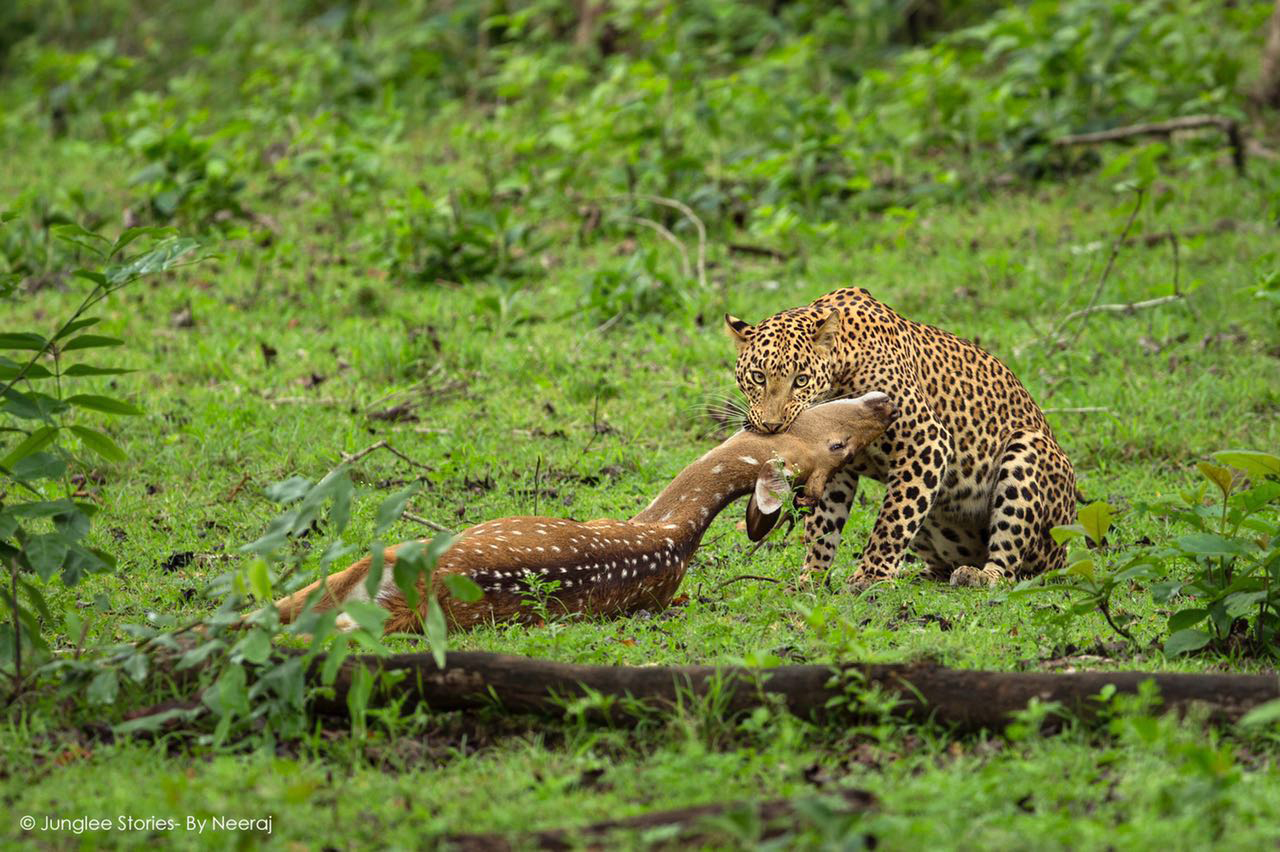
(747, 459)
(555, 548)
(542, 549)
(670, 527)
(345, 623)
(717, 468)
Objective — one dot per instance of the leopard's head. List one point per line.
(784, 364)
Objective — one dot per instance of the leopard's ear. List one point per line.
(826, 332)
(740, 330)
(765, 506)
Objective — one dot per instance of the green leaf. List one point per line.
(91, 341)
(1262, 715)
(368, 615)
(1182, 619)
(46, 553)
(260, 580)
(338, 651)
(1185, 641)
(99, 443)
(10, 370)
(409, 565)
(392, 508)
(154, 721)
(104, 687)
(463, 588)
(199, 654)
(22, 340)
(136, 667)
(1095, 519)
(34, 443)
(1251, 462)
(88, 370)
(358, 696)
(91, 276)
(104, 404)
(39, 466)
(1210, 544)
(163, 256)
(229, 695)
(436, 630)
(1219, 476)
(1066, 533)
(292, 489)
(254, 648)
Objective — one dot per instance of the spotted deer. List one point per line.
(609, 567)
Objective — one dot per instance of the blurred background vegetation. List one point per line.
(777, 118)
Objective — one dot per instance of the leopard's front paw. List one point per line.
(968, 575)
(860, 581)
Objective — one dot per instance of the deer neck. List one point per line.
(704, 488)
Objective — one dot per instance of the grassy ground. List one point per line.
(277, 357)
(593, 418)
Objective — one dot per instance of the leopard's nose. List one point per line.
(771, 426)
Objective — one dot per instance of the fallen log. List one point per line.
(966, 700)
(775, 817)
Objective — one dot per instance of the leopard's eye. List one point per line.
(757, 377)
(836, 446)
(802, 380)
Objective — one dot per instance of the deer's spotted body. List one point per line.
(610, 567)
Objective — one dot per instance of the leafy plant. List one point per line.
(44, 521)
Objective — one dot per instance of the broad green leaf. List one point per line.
(229, 695)
(130, 234)
(1262, 715)
(99, 443)
(409, 565)
(164, 256)
(10, 370)
(368, 615)
(75, 325)
(292, 489)
(91, 341)
(31, 405)
(46, 553)
(1095, 519)
(199, 654)
(1082, 568)
(39, 466)
(441, 543)
(104, 404)
(34, 443)
(1185, 641)
(136, 667)
(1219, 476)
(154, 721)
(393, 507)
(89, 370)
(81, 561)
(1251, 462)
(463, 588)
(1066, 533)
(104, 687)
(254, 648)
(1210, 544)
(1185, 618)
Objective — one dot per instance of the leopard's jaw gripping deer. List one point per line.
(608, 567)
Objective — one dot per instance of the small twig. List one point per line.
(1106, 273)
(381, 445)
(1235, 138)
(426, 522)
(302, 400)
(760, 251)
(688, 213)
(742, 577)
(1125, 308)
(685, 269)
(231, 495)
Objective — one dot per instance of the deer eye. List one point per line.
(836, 446)
(801, 380)
(757, 377)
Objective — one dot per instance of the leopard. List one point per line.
(974, 479)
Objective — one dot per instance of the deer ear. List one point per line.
(739, 330)
(826, 332)
(764, 507)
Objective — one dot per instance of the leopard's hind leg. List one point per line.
(1033, 491)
